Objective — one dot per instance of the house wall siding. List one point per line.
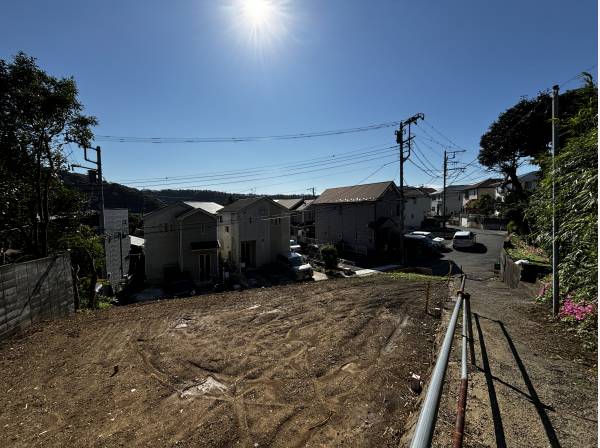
(162, 241)
(116, 244)
(198, 227)
(263, 222)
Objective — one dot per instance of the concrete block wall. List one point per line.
(34, 291)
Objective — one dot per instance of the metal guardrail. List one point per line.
(427, 418)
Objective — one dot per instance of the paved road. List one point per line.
(480, 261)
(531, 384)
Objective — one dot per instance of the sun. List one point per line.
(258, 13)
(261, 24)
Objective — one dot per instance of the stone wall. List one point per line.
(34, 291)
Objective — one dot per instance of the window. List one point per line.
(227, 229)
(276, 221)
(250, 219)
(202, 228)
(221, 218)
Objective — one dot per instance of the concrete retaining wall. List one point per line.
(509, 271)
(34, 291)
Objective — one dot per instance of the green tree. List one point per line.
(329, 254)
(576, 177)
(87, 253)
(40, 115)
(523, 133)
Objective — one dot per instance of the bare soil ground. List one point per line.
(319, 364)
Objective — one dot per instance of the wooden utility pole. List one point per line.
(403, 158)
(555, 248)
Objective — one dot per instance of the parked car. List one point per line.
(436, 240)
(296, 265)
(419, 246)
(463, 239)
(295, 248)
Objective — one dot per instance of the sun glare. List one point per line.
(261, 23)
(258, 13)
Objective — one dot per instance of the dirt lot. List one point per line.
(319, 364)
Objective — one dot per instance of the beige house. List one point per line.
(252, 232)
(181, 238)
(476, 191)
(362, 217)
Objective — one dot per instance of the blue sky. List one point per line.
(184, 68)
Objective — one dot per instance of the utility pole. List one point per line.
(403, 158)
(555, 253)
(98, 179)
(452, 154)
(444, 193)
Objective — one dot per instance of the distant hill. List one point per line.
(120, 196)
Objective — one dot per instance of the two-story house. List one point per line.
(181, 238)
(361, 216)
(252, 232)
(454, 200)
(476, 191)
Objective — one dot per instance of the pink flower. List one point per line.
(576, 311)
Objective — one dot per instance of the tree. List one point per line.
(576, 177)
(40, 115)
(330, 256)
(86, 257)
(522, 131)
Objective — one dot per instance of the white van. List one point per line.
(463, 239)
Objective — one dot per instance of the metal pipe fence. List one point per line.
(423, 434)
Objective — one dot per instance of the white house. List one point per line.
(454, 200)
(181, 238)
(116, 244)
(252, 232)
(362, 216)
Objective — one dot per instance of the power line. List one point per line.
(336, 156)
(441, 134)
(302, 135)
(376, 171)
(237, 181)
(259, 171)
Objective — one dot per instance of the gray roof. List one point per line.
(451, 188)
(487, 183)
(354, 193)
(241, 204)
(210, 207)
(290, 204)
(528, 177)
(304, 206)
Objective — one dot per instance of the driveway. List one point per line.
(479, 262)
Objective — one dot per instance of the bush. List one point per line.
(329, 254)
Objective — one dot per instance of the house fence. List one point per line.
(34, 291)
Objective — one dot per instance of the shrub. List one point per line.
(329, 254)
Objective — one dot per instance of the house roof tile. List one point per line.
(354, 193)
